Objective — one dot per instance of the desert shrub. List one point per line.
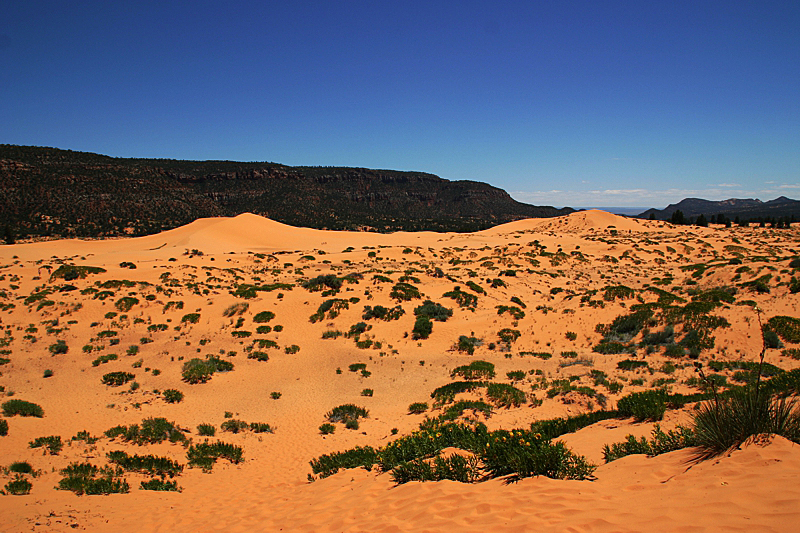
(504, 395)
(367, 392)
(3, 427)
(458, 408)
(631, 364)
(161, 485)
(73, 272)
(125, 304)
(423, 327)
(355, 367)
(743, 413)
(482, 370)
(233, 426)
(467, 344)
(235, 309)
(455, 468)
(553, 460)
(103, 359)
(417, 408)
(145, 464)
(261, 427)
(448, 392)
(106, 334)
(327, 465)
(206, 430)
(515, 312)
(116, 379)
(263, 330)
(327, 429)
(351, 423)
(20, 467)
(571, 335)
(404, 292)
(675, 350)
(329, 309)
(86, 478)
(786, 327)
(771, 340)
(516, 375)
(647, 405)
(433, 311)
(345, 412)
(199, 371)
(331, 334)
(323, 282)
(52, 444)
(290, 350)
(383, 313)
(266, 343)
(172, 396)
(666, 336)
(22, 408)
(621, 292)
(463, 299)
(508, 335)
(58, 347)
(205, 454)
(18, 486)
(611, 348)
(263, 316)
(248, 291)
(241, 334)
(151, 431)
(190, 318)
(659, 443)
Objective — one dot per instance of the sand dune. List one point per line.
(560, 274)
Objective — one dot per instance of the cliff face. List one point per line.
(50, 191)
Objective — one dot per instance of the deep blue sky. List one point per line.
(558, 102)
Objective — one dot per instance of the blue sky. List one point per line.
(558, 102)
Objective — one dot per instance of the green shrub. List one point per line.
(199, 371)
(743, 413)
(206, 430)
(52, 444)
(19, 486)
(433, 311)
(145, 464)
(329, 309)
(172, 396)
(327, 465)
(417, 408)
(191, 318)
(204, 455)
(86, 478)
(116, 379)
(631, 364)
(21, 467)
(367, 392)
(608, 348)
(235, 309)
(345, 412)
(463, 299)
(125, 304)
(515, 312)
(660, 442)
(3, 427)
(22, 408)
(455, 468)
(647, 405)
(234, 426)
(261, 427)
(467, 344)
(151, 431)
(323, 282)
(476, 370)
(290, 350)
(263, 316)
(423, 327)
(58, 347)
(327, 429)
(103, 359)
(160, 485)
(504, 395)
(404, 292)
(508, 335)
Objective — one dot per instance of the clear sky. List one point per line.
(596, 103)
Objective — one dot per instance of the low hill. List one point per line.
(47, 191)
(748, 209)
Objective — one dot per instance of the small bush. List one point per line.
(467, 344)
(160, 485)
(22, 408)
(206, 430)
(52, 444)
(125, 304)
(145, 464)
(417, 408)
(476, 370)
(327, 429)
(3, 427)
(423, 327)
(367, 392)
(19, 486)
(404, 292)
(234, 426)
(346, 412)
(151, 431)
(263, 316)
(86, 478)
(172, 396)
(631, 364)
(21, 467)
(59, 347)
(204, 455)
(191, 318)
(116, 379)
(647, 405)
(504, 395)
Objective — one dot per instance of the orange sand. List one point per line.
(752, 489)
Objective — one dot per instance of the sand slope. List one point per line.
(559, 269)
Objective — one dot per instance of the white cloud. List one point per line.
(789, 186)
(728, 185)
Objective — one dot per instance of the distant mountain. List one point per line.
(47, 191)
(746, 209)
